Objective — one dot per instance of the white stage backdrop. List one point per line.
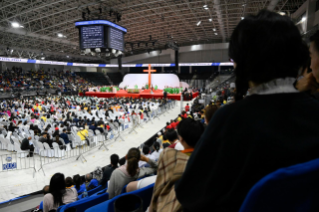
(161, 80)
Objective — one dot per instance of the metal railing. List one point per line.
(17, 161)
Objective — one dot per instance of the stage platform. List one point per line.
(145, 94)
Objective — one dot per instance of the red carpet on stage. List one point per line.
(146, 94)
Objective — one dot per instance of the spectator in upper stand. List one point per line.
(209, 112)
(129, 172)
(69, 182)
(83, 133)
(173, 139)
(79, 184)
(146, 153)
(91, 183)
(253, 137)
(92, 127)
(109, 169)
(157, 151)
(184, 115)
(58, 194)
(310, 81)
(187, 107)
(56, 132)
(189, 132)
(168, 126)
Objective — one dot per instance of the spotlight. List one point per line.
(113, 51)
(42, 58)
(87, 51)
(15, 24)
(198, 23)
(216, 33)
(67, 56)
(303, 19)
(60, 35)
(210, 20)
(97, 50)
(205, 6)
(242, 18)
(214, 29)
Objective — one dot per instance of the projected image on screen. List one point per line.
(92, 37)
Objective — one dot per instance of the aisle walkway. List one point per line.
(17, 183)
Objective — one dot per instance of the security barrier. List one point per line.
(17, 161)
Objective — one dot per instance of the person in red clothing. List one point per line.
(187, 107)
(184, 114)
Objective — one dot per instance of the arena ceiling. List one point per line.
(47, 26)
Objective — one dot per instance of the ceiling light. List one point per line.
(198, 23)
(15, 24)
(67, 56)
(282, 13)
(216, 33)
(113, 51)
(42, 58)
(243, 5)
(214, 29)
(205, 6)
(303, 19)
(210, 19)
(60, 35)
(21, 26)
(242, 18)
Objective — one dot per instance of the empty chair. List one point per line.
(294, 188)
(57, 151)
(48, 150)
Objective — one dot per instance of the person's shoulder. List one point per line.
(48, 197)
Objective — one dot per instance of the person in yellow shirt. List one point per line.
(83, 133)
(44, 118)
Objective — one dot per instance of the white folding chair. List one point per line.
(48, 150)
(57, 151)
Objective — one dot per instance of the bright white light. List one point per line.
(113, 51)
(282, 13)
(205, 6)
(15, 24)
(210, 19)
(242, 18)
(214, 29)
(67, 56)
(21, 26)
(198, 23)
(60, 35)
(244, 5)
(303, 19)
(216, 33)
(42, 58)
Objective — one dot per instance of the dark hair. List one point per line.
(265, 47)
(57, 188)
(156, 146)
(83, 180)
(210, 111)
(171, 135)
(190, 130)
(77, 181)
(114, 159)
(146, 150)
(315, 38)
(133, 156)
(68, 182)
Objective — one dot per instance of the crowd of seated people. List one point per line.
(64, 81)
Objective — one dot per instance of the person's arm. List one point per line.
(147, 170)
(112, 185)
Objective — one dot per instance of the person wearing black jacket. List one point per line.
(109, 169)
(274, 127)
(25, 145)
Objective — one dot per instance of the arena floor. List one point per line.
(21, 182)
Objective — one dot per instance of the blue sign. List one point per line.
(9, 166)
(103, 22)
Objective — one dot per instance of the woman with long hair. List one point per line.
(79, 184)
(275, 126)
(58, 193)
(129, 171)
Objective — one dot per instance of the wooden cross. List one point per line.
(149, 75)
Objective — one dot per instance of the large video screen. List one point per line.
(101, 34)
(92, 37)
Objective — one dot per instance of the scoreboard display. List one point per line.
(101, 34)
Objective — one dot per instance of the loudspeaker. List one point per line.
(176, 60)
(119, 60)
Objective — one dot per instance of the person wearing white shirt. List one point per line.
(146, 153)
